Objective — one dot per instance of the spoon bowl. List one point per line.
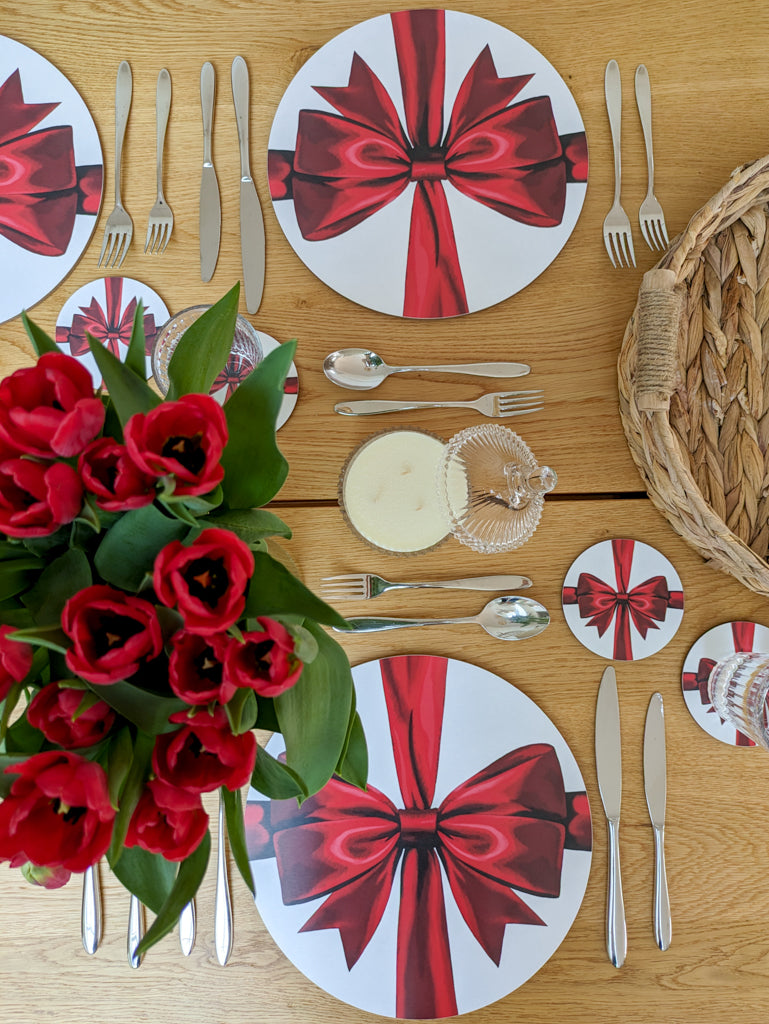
(359, 369)
(510, 617)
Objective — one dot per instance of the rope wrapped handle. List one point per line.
(659, 313)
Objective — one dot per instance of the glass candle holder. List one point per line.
(738, 687)
(245, 354)
(492, 488)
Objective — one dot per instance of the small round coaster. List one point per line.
(715, 645)
(623, 600)
(105, 309)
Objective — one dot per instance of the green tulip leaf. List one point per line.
(57, 583)
(203, 348)
(242, 711)
(17, 574)
(275, 779)
(136, 356)
(148, 876)
(129, 392)
(148, 711)
(251, 525)
(254, 468)
(40, 340)
(315, 712)
(353, 766)
(278, 592)
(127, 553)
(130, 792)
(190, 874)
(236, 832)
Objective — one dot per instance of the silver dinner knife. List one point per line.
(251, 221)
(135, 930)
(608, 762)
(210, 203)
(655, 786)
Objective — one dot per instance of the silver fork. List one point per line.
(650, 215)
(364, 585)
(161, 221)
(617, 234)
(497, 405)
(119, 230)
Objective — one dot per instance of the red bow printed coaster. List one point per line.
(622, 599)
(427, 163)
(456, 874)
(718, 643)
(51, 177)
(105, 309)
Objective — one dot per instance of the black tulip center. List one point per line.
(187, 451)
(207, 580)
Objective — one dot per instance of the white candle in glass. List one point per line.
(389, 491)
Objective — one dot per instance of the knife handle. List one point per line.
(240, 97)
(616, 929)
(663, 926)
(207, 91)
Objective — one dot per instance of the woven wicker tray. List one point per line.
(694, 380)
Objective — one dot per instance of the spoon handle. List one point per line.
(380, 623)
(474, 369)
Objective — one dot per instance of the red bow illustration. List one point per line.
(645, 605)
(111, 325)
(742, 636)
(505, 828)
(41, 189)
(345, 168)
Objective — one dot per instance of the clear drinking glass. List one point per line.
(738, 687)
(244, 355)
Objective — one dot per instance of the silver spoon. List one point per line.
(361, 370)
(506, 618)
(222, 904)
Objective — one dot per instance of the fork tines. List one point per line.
(350, 587)
(515, 403)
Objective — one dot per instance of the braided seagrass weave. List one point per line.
(694, 380)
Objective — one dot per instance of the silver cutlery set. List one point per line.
(91, 911)
(119, 228)
(608, 757)
(361, 370)
(617, 232)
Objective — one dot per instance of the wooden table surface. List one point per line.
(707, 64)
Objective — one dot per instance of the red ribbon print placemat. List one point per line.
(622, 599)
(456, 874)
(427, 163)
(718, 643)
(51, 177)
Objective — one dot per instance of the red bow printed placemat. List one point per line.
(51, 177)
(105, 309)
(622, 599)
(427, 163)
(456, 875)
(718, 643)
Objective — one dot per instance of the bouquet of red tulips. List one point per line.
(146, 625)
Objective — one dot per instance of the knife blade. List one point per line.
(210, 203)
(655, 787)
(608, 759)
(251, 221)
